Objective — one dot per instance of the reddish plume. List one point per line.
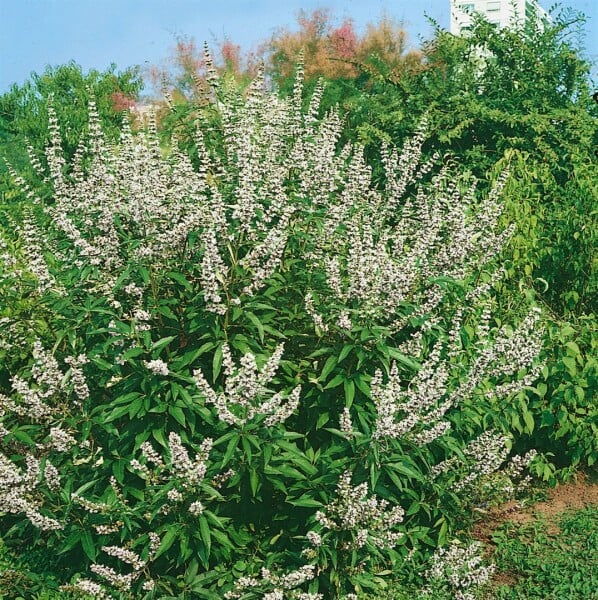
(343, 40)
(121, 102)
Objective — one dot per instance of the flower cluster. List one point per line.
(380, 250)
(189, 472)
(41, 395)
(157, 366)
(20, 490)
(78, 380)
(501, 360)
(281, 586)
(482, 456)
(509, 481)
(461, 569)
(245, 386)
(122, 582)
(421, 405)
(367, 518)
(180, 475)
(34, 254)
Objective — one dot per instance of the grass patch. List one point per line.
(548, 559)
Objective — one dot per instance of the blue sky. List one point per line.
(95, 33)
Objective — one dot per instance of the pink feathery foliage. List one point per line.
(231, 55)
(343, 40)
(121, 102)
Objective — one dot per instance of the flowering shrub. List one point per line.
(254, 373)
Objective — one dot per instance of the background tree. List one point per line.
(338, 53)
(24, 109)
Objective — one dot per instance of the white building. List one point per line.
(503, 13)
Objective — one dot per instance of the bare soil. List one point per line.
(574, 495)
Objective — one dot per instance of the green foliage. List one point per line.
(553, 248)
(249, 357)
(20, 580)
(543, 560)
(541, 125)
(564, 399)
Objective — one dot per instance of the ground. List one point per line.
(568, 498)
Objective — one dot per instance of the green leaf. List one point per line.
(413, 508)
(88, 546)
(178, 414)
(403, 359)
(163, 342)
(335, 381)
(541, 389)
(516, 423)
(288, 471)
(145, 275)
(133, 353)
(322, 420)
(345, 352)
(442, 534)
(102, 364)
(167, 541)
(569, 362)
(258, 325)
(320, 352)
(405, 470)
(20, 435)
(217, 362)
(247, 449)
(191, 571)
(86, 486)
(528, 418)
(349, 386)
(395, 479)
(201, 592)
(230, 450)
(254, 481)
(336, 432)
(119, 411)
(328, 366)
(118, 470)
(306, 501)
(179, 278)
(159, 437)
(135, 407)
(71, 541)
(222, 539)
(374, 476)
(362, 384)
(204, 531)
(166, 311)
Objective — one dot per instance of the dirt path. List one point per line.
(574, 495)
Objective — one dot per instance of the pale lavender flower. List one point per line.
(156, 366)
